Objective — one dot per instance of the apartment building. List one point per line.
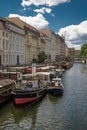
(45, 44)
(62, 46)
(55, 46)
(32, 44)
(4, 43)
(42, 42)
(16, 44)
(49, 47)
(31, 40)
(12, 43)
(66, 51)
(20, 43)
(72, 51)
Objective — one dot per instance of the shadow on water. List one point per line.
(54, 99)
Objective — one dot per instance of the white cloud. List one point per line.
(43, 2)
(37, 21)
(32, 2)
(43, 10)
(75, 35)
(53, 15)
(55, 2)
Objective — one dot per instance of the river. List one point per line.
(68, 112)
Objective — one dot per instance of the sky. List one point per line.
(68, 18)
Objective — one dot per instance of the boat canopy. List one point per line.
(60, 70)
(47, 67)
(43, 73)
(29, 75)
(56, 79)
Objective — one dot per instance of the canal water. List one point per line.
(68, 112)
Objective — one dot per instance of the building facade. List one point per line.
(49, 47)
(4, 43)
(31, 40)
(20, 43)
(32, 44)
(12, 44)
(16, 44)
(54, 46)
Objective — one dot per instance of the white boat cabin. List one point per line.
(56, 82)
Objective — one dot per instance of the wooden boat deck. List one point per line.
(5, 82)
(6, 85)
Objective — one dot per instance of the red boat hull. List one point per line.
(25, 100)
(25, 96)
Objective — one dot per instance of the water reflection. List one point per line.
(54, 99)
(84, 69)
(14, 118)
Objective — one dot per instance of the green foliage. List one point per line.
(70, 55)
(83, 50)
(41, 57)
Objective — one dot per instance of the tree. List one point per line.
(42, 56)
(83, 50)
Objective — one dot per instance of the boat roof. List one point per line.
(38, 73)
(51, 66)
(56, 79)
(59, 70)
(29, 75)
(5, 82)
(43, 73)
(47, 67)
(9, 72)
(44, 68)
(20, 67)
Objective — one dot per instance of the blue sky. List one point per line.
(66, 17)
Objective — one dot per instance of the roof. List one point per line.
(56, 79)
(9, 72)
(5, 82)
(43, 73)
(22, 24)
(47, 67)
(29, 75)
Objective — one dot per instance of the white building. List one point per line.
(12, 43)
(4, 43)
(54, 45)
(16, 44)
(31, 39)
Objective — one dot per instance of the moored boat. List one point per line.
(56, 87)
(29, 92)
(59, 72)
(11, 75)
(66, 64)
(25, 96)
(6, 86)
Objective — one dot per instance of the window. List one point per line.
(7, 35)
(3, 34)
(11, 37)
(7, 45)
(3, 58)
(6, 58)
(3, 44)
